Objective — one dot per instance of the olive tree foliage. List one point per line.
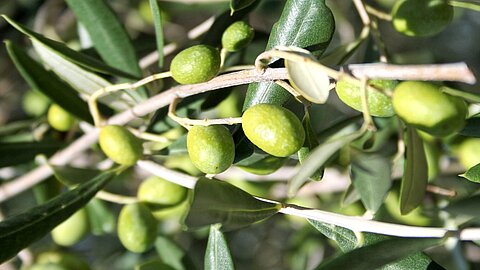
(241, 134)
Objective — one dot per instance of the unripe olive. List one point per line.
(424, 106)
(379, 104)
(469, 152)
(157, 191)
(60, 119)
(421, 17)
(211, 148)
(67, 260)
(120, 145)
(137, 228)
(196, 64)
(35, 103)
(72, 230)
(265, 166)
(237, 36)
(273, 129)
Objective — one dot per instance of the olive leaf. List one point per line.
(215, 201)
(217, 255)
(236, 5)
(157, 22)
(172, 254)
(472, 127)
(21, 152)
(472, 174)
(19, 231)
(48, 83)
(72, 176)
(102, 220)
(310, 143)
(304, 23)
(464, 207)
(415, 176)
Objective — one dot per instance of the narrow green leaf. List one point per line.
(19, 231)
(342, 53)
(107, 34)
(48, 83)
(374, 256)
(311, 142)
(304, 23)
(370, 175)
(102, 220)
(172, 254)
(17, 153)
(155, 264)
(462, 94)
(472, 174)
(236, 5)
(347, 241)
(70, 55)
(71, 176)
(317, 159)
(415, 176)
(217, 255)
(157, 22)
(216, 201)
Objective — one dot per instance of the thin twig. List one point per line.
(115, 198)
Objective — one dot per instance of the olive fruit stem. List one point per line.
(367, 118)
(467, 5)
(187, 122)
(294, 92)
(92, 100)
(223, 57)
(149, 136)
(354, 223)
(378, 13)
(115, 198)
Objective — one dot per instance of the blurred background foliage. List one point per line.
(281, 242)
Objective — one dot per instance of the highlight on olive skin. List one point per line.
(120, 145)
(273, 129)
(211, 148)
(197, 64)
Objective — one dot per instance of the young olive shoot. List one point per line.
(120, 145)
(273, 129)
(211, 148)
(424, 106)
(199, 63)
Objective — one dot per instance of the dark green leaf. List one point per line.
(101, 218)
(17, 153)
(304, 23)
(472, 127)
(379, 254)
(157, 22)
(73, 56)
(473, 174)
(371, 178)
(347, 241)
(236, 5)
(172, 254)
(13, 127)
(19, 231)
(317, 159)
(311, 142)
(71, 176)
(217, 255)
(216, 201)
(155, 264)
(465, 207)
(415, 176)
(48, 83)
(107, 34)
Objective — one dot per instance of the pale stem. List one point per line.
(356, 224)
(293, 92)
(187, 122)
(223, 57)
(236, 68)
(378, 13)
(149, 136)
(115, 198)
(463, 4)
(441, 191)
(362, 11)
(368, 121)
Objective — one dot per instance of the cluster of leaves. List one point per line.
(67, 73)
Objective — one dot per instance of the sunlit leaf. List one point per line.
(216, 201)
(473, 174)
(19, 231)
(370, 175)
(217, 255)
(415, 176)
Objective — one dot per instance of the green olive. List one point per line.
(60, 119)
(273, 129)
(468, 152)
(379, 104)
(120, 145)
(67, 260)
(137, 227)
(211, 148)
(156, 191)
(237, 36)
(424, 106)
(35, 103)
(421, 18)
(196, 64)
(72, 230)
